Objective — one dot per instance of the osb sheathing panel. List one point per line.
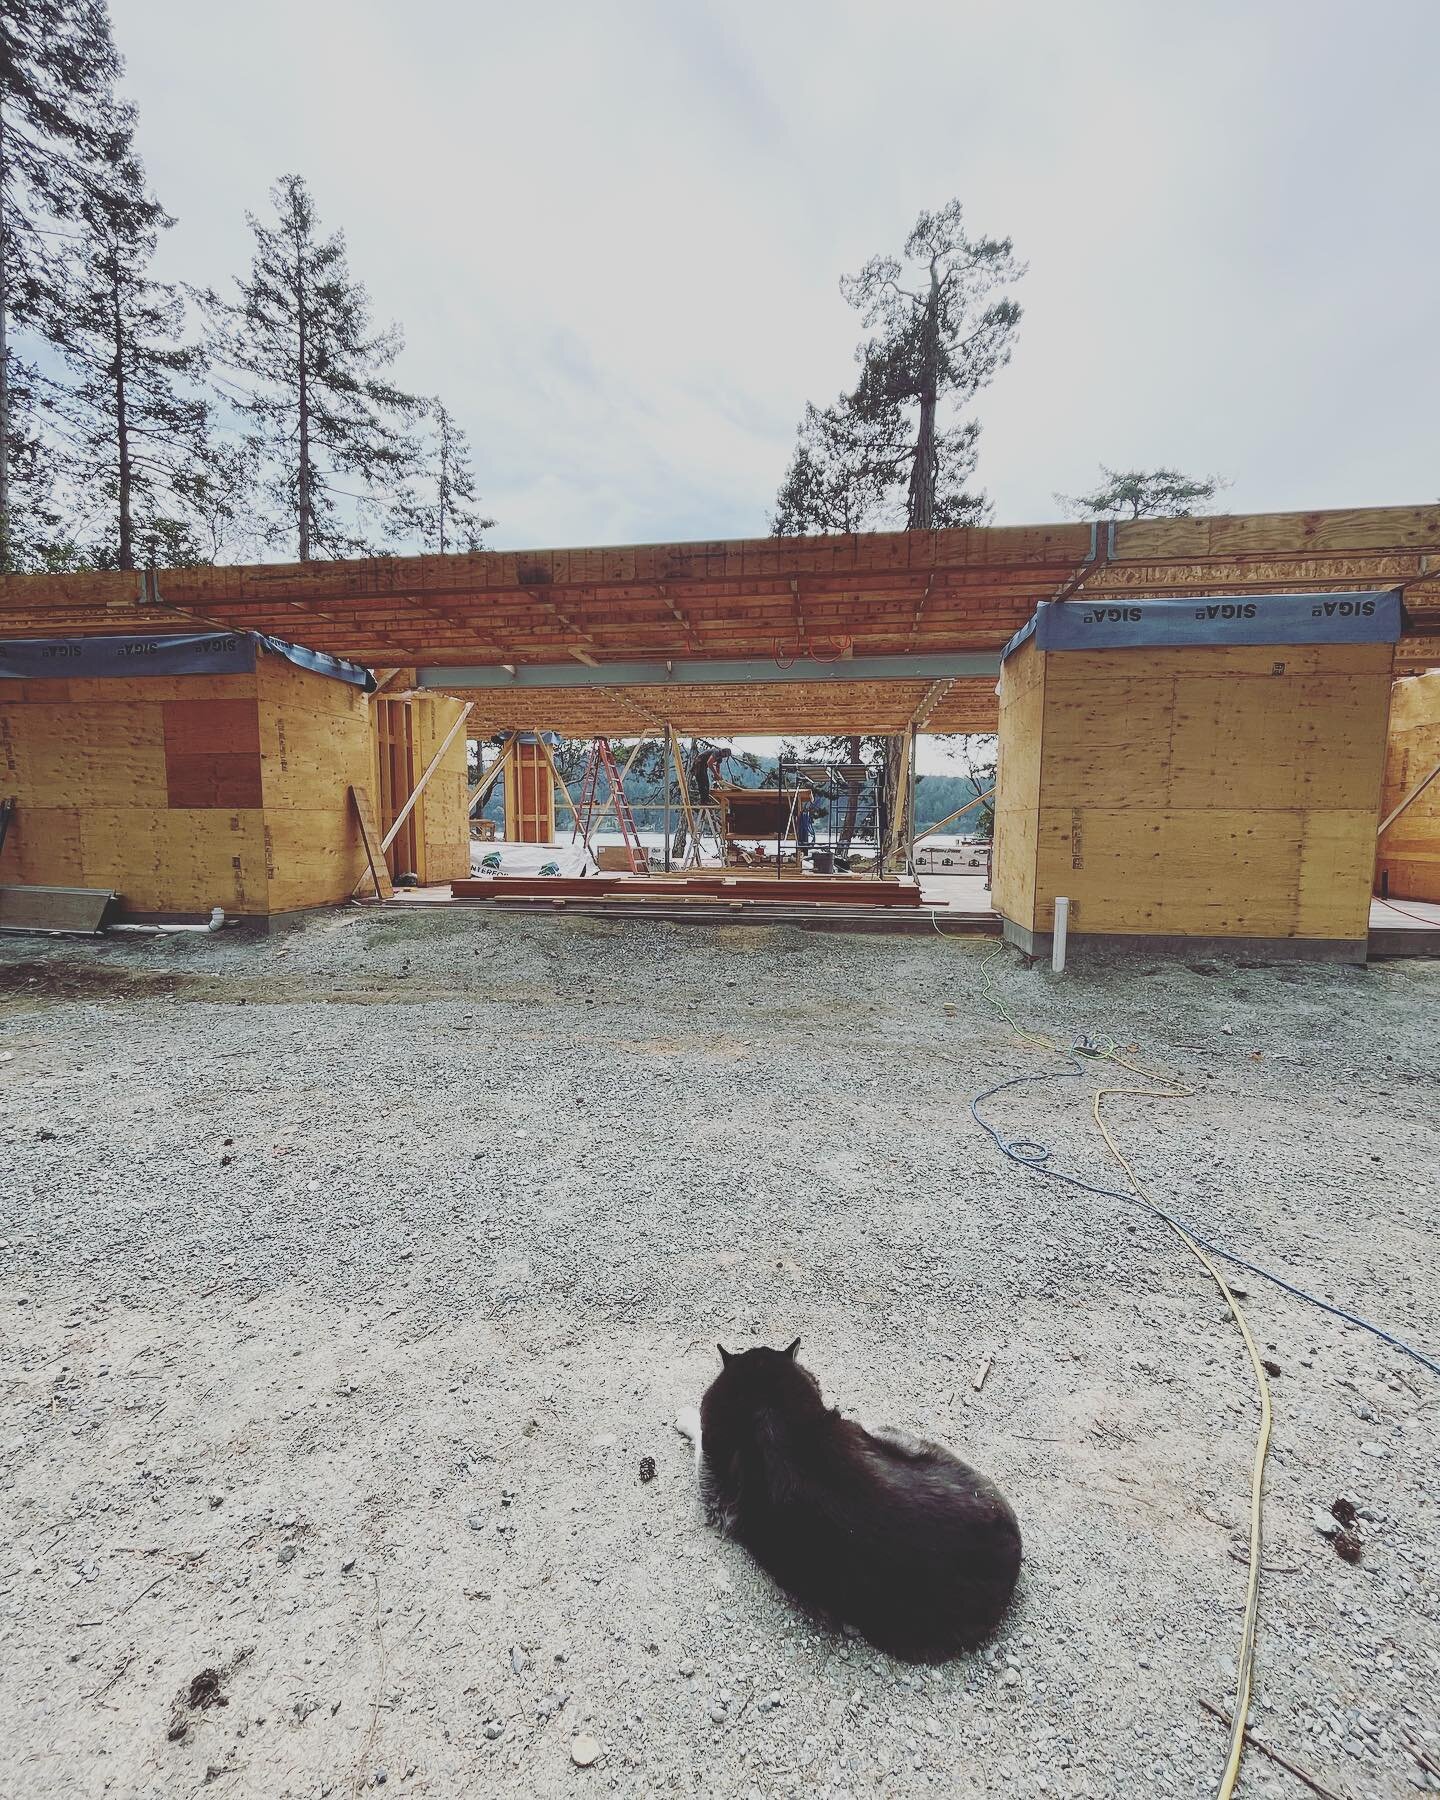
(1194, 792)
(444, 834)
(314, 746)
(84, 753)
(137, 786)
(1410, 849)
(1017, 792)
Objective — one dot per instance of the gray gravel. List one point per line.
(349, 1275)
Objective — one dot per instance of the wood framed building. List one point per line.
(409, 732)
(893, 633)
(220, 777)
(1181, 777)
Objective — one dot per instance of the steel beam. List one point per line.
(694, 672)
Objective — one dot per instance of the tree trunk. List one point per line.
(302, 365)
(852, 793)
(920, 513)
(125, 469)
(5, 534)
(444, 478)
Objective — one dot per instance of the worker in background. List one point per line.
(705, 767)
(805, 826)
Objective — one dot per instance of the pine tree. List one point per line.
(440, 508)
(1143, 494)
(60, 132)
(38, 533)
(309, 382)
(135, 426)
(896, 449)
(839, 476)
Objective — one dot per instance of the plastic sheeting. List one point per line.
(193, 653)
(1366, 618)
(499, 858)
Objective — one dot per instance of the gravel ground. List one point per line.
(349, 1278)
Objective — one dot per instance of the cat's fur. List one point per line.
(897, 1538)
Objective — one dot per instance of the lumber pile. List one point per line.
(822, 890)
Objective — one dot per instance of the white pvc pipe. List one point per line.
(1062, 931)
(217, 921)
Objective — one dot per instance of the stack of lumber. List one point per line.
(806, 889)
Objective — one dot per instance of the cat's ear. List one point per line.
(724, 1355)
(790, 1349)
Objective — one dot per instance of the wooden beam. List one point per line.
(949, 818)
(379, 873)
(424, 781)
(1409, 800)
(487, 780)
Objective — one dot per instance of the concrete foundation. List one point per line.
(1186, 949)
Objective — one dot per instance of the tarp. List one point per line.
(496, 857)
(195, 653)
(318, 662)
(1367, 618)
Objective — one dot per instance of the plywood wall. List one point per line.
(314, 745)
(1410, 850)
(445, 821)
(188, 792)
(1017, 787)
(1209, 791)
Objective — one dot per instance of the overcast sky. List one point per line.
(613, 232)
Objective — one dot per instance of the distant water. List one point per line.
(655, 840)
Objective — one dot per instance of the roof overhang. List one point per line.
(807, 609)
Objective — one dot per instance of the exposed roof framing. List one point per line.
(895, 594)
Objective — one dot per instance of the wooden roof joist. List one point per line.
(840, 708)
(798, 599)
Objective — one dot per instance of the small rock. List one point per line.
(476, 1522)
(1011, 1678)
(1323, 1522)
(519, 1661)
(347, 1565)
(287, 1553)
(493, 1730)
(718, 1713)
(687, 1668)
(1372, 1449)
(647, 1468)
(216, 1497)
(583, 1751)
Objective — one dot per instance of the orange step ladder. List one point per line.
(600, 761)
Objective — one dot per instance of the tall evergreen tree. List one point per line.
(135, 424)
(840, 475)
(1143, 494)
(38, 535)
(60, 132)
(897, 449)
(440, 508)
(309, 381)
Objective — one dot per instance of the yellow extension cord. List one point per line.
(1245, 1670)
(1244, 1675)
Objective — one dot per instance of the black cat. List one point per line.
(899, 1539)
